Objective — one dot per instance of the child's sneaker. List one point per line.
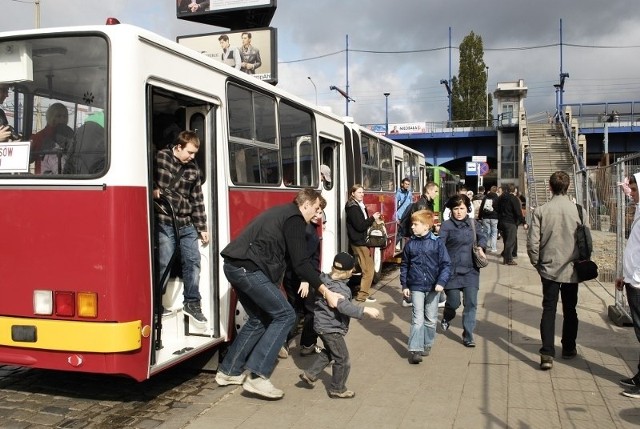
(415, 358)
(308, 380)
(310, 350)
(427, 351)
(347, 394)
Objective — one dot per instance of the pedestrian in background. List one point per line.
(552, 250)
(404, 200)
(489, 216)
(332, 324)
(630, 282)
(424, 271)
(509, 217)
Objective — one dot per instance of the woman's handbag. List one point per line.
(376, 235)
(479, 258)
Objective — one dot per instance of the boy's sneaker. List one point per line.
(427, 351)
(444, 324)
(308, 380)
(310, 350)
(224, 380)
(631, 382)
(634, 392)
(262, 387)
(344, 395)
(194, 311)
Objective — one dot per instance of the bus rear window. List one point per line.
(53, 96)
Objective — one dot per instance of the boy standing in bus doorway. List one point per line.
(178, 178)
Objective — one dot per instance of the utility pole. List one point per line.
(487, 108)
(386, 112)
(37, 13)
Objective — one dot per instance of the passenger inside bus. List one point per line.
(87, 153)
(5, 129)
(49, 145)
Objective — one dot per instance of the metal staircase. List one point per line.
(548, 151)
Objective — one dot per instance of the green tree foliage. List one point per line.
(469, 88)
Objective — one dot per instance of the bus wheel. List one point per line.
(377, 265)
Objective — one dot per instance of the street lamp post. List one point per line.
(386, 113)
(446, 85)
(314, 88)
(487, 108)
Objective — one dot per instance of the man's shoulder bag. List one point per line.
(585, 268)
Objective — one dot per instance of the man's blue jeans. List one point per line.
(424, 317)
(271, 317)
(491, 230)
(189, 253)
(470, 303)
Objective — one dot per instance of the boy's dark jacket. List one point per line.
(328, 320)
(425, 263)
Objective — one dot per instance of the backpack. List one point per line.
(583, 239)
(584, 267)
(488, 205)
(376, 235)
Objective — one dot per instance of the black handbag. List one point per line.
(479, 258)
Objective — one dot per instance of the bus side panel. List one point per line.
(81, 240)
(246, 203)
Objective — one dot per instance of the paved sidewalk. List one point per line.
(494, 385)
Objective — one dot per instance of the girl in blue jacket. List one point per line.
(424, 272)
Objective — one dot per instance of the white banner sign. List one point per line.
(14, 157)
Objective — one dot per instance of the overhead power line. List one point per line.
(504, 49)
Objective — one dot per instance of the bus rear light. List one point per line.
(87, 304)
(64, 304)
(43, 302)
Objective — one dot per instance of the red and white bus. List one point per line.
(77, 260)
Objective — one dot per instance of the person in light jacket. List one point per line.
(552, 250)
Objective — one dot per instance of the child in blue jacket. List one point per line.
(424, 272)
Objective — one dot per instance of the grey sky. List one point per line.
(311, 28)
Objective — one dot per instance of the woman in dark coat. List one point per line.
(457, 234)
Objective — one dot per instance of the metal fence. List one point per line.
(610, 213)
